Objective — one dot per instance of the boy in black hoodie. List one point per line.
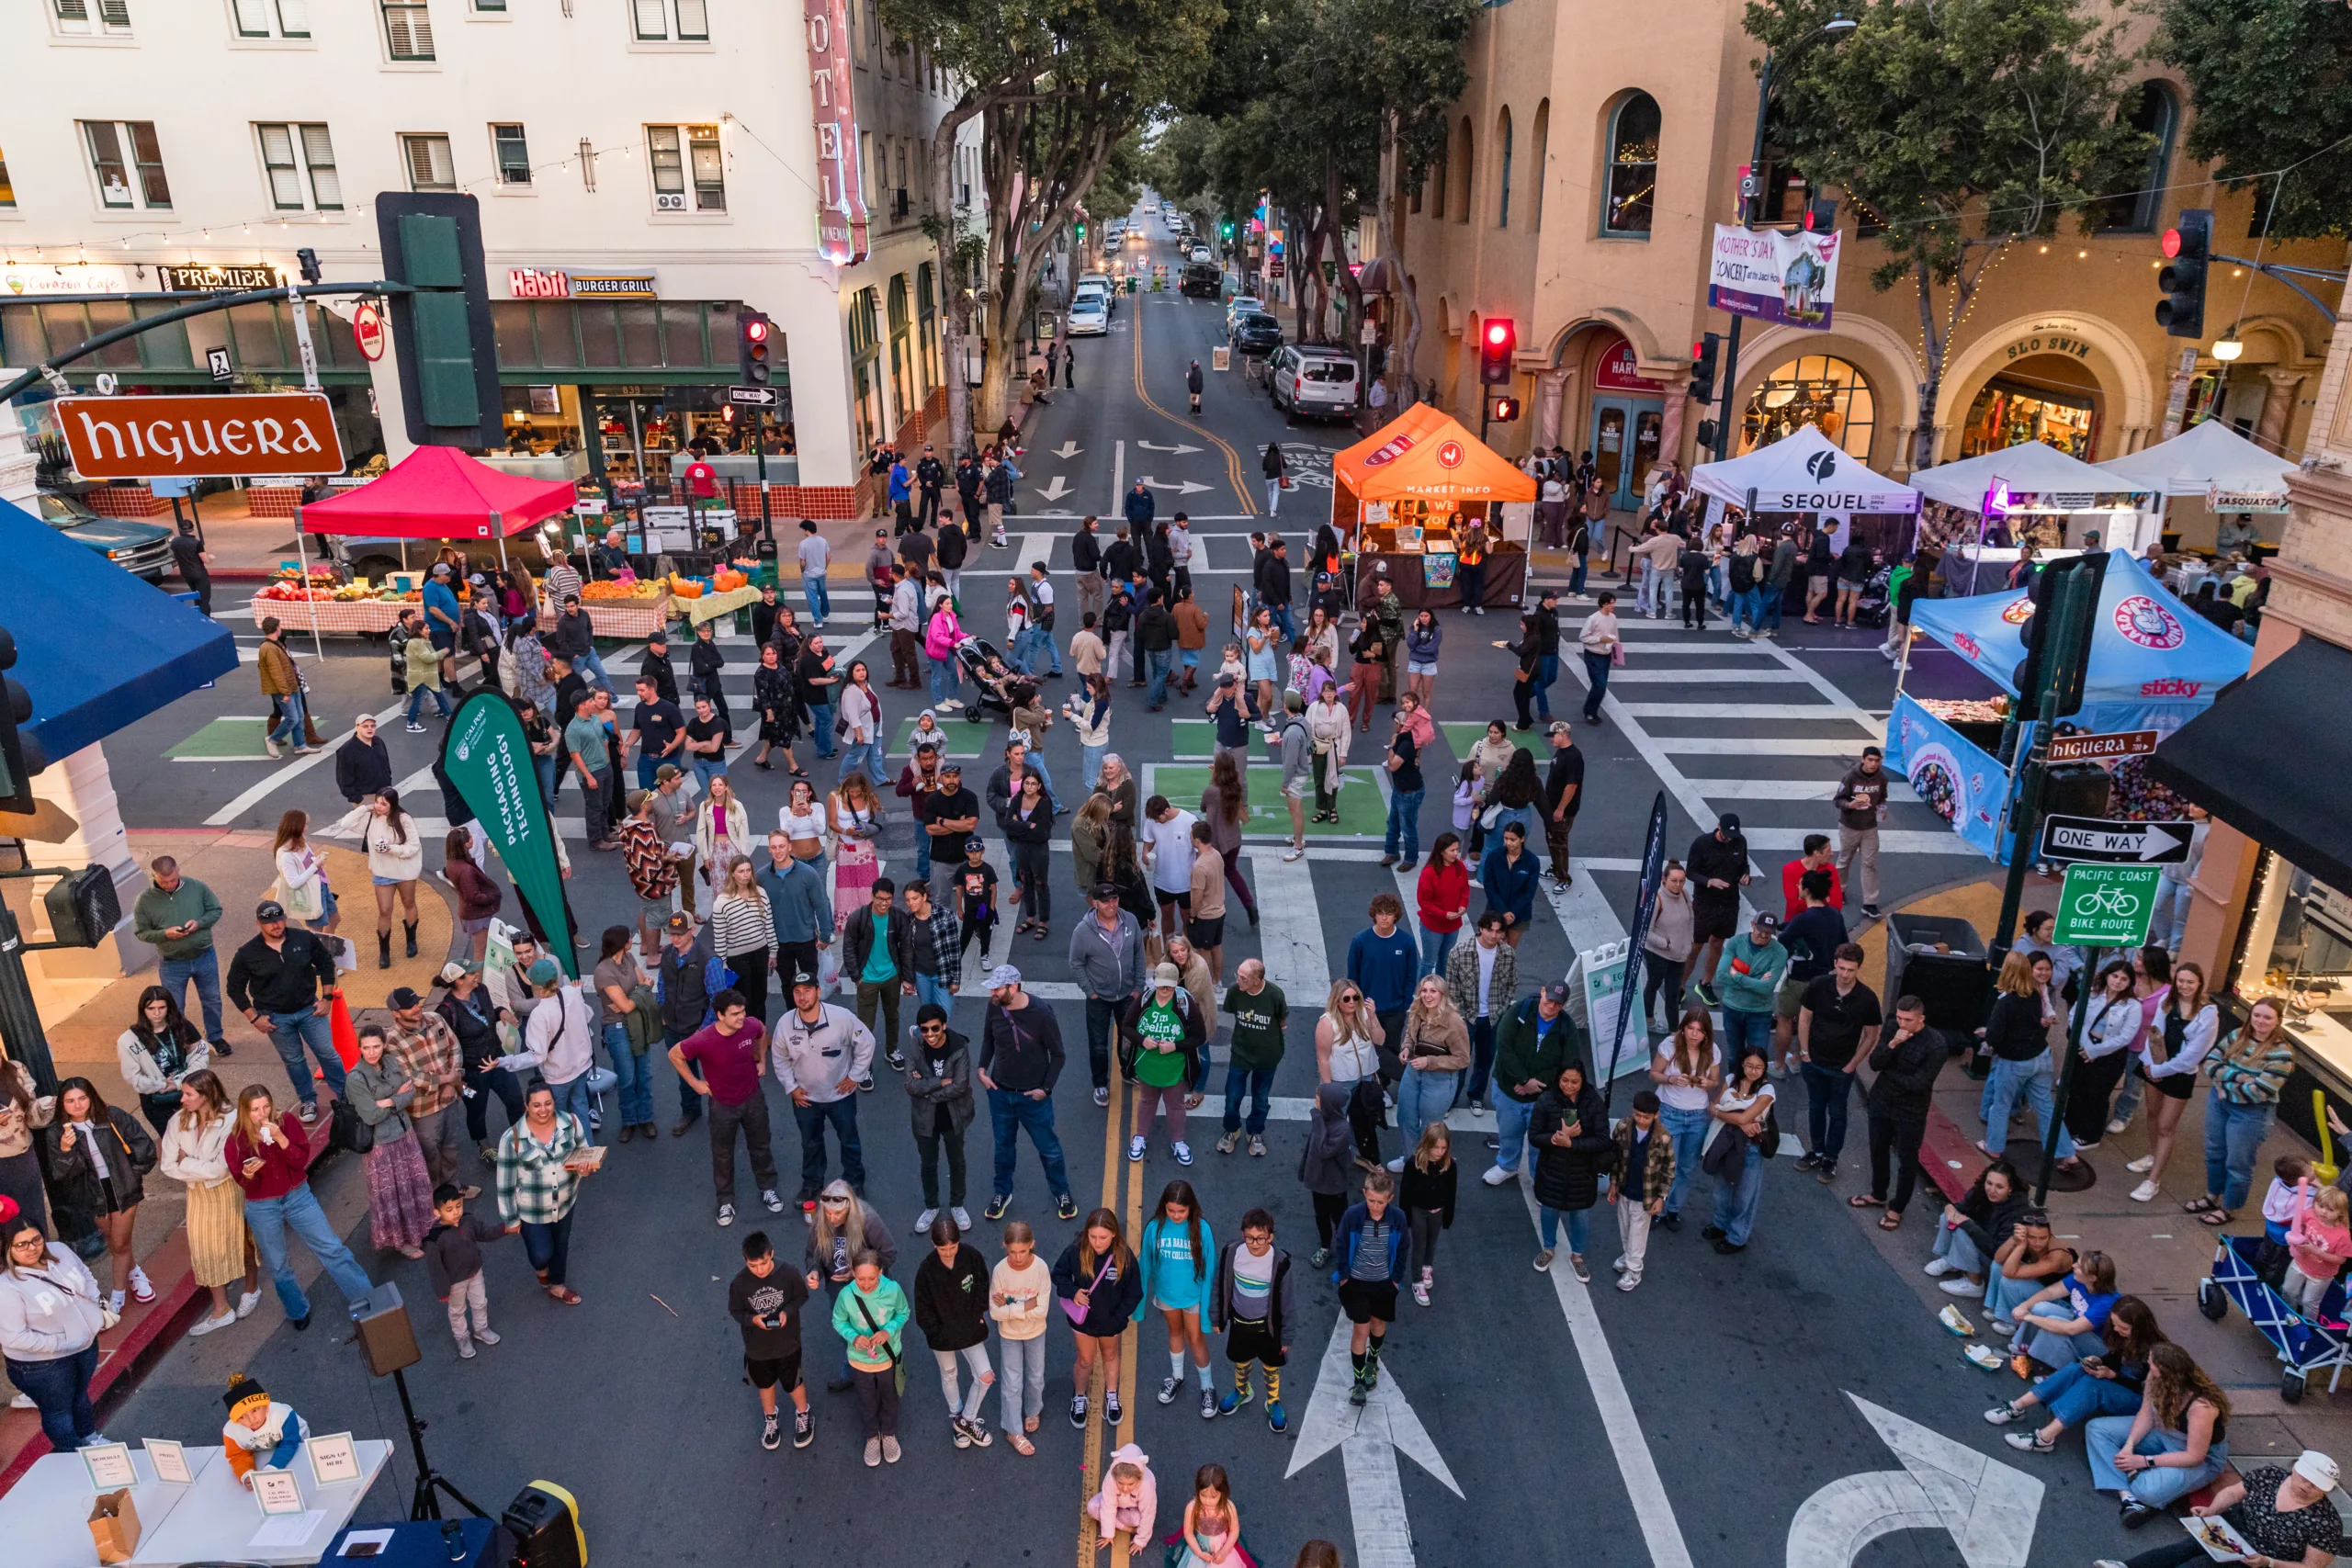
(453, 1262)
(766, 1302)
(1252, 1298)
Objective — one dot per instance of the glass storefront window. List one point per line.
(2009, 413)
(640, 334)
(600, 338)
(2297, 948)
(681, 337)
(1816, 390)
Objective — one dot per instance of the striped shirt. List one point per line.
(562, 582)
(739, 924)
(2250, 1072)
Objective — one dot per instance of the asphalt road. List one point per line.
(1686, 1423)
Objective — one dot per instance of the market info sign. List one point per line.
(289, 435)
(1768, 275)
(841, 180)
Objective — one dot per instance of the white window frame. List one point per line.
(310, 161)
(90, 18)
(134, 169)
(497, 155)
(673, 167)
(418, 20)
(670, 21)
(255, 20)
(411, 141)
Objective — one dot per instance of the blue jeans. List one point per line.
(416, 696)
(270, 1218)
(706, 769)
(1735, 1200)
(2233, 1136)
(636, 1073)
(1742, 1029)
(2157, 1487)
(1009, 1113)
(545, 768)
(943, 679)
(289, 724)
(2004, 1082)
(1424, 1098)
(1511, 1117)
(2002, 1295)
(2059, 1350)
(2171, 909)
(1089, 762)
(1579, 1228)
(1435, 947)
(2073, 1396)
(812, 1119)
(1689, 1130)
(1547, 670)
(289, 1031)
(689, 1102)
(821, 603)
(575, 1097)
(1596, 674)
(205, 970)
(929, 988)
(1042, 641)
(1747, 609)
(1258, 1084)
(591, 660)
(866, 754)
(1954, 1247)
(1156, 662)
(820, 725)
(60, 1388)
(1482, 1060)
(1827, 1095)
(1405, 823)
(548, 1248)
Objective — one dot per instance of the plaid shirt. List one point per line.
(431, 1058)
(650, 871)
(946, 934)
(533, 1185)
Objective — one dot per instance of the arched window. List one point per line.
(1818, 390)
(1542, 173)
(1466, 199)
(1502, 191)
(1632, 186)
(2155, 112)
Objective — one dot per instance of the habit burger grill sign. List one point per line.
(280, 434)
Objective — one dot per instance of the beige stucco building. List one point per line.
(1591, 157)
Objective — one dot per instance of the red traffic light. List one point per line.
(2171, 243)
(755, 330)
(1499, 333)
(1699, 350)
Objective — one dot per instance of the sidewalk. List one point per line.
(2160, 1252)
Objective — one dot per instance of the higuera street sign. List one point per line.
(281, 435)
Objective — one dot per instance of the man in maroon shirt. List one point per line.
(727, 1049)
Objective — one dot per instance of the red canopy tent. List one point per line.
(438, 492)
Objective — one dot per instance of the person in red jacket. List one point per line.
(269, 1157)
(1441, 898)
(1816, 857)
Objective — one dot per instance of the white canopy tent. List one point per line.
(2031, 468)
(1805, 471)
(2208, 461)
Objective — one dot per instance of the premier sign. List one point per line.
(284, 435)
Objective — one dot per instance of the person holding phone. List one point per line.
(1098, 1287)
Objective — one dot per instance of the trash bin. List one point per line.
(1941, 960)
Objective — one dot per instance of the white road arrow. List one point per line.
(1055, 487)
(1067, 450)
(1181, 487)
(1988, 1508)
(1178, 450)
(1368, 1437)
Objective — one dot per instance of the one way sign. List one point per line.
(2077, 838)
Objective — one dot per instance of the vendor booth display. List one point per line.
(2154, 664)
(1405, 497)
(1806, 474)
(2024, 494)
(2226, 480)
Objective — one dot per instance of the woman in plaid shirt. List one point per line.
(2246, 1074)
(538, 1182)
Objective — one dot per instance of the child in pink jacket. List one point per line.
(2319, 1239)
(1128, 1500)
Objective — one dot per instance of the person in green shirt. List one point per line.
(870, 1317)
(1259, 1014)
(1164, 1034)
(176, 914)
(583, 744)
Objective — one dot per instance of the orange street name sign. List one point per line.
(281, 433)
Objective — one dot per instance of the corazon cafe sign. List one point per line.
(841, 176)
(281, 435)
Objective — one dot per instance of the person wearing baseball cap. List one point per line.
(821, 1055)
(1717, 869)
(1020, 1057)
(1749, 978)
(281, 980)
(1106, 957)
(1168, 1034)
(2286, 1515)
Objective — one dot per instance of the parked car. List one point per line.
(1314, 379)
(1256, 332)
(1202, 278)
(1201, 253)
(1089, 316)
(1101, 283)
(142, 548)
(1240, 306)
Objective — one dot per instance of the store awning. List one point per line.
(1423, 455)
(2208, 460)
(438, 492)
(2273, 758)
(96, 648)
(2031, 468)
(1805, 471)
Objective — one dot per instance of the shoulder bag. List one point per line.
(1078, 1314)
(897, 1367)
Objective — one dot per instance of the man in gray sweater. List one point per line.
(1297, 755)
(1106, 954)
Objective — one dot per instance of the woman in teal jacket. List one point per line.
(870, 1314)
(1174, 1260)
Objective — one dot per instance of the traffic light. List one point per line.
(83, 908)
(20, 755)
(1225, 230)
(1821, 215)
(2181, 311)
(755, 340)
(1498, 337)
(447, 353)
(1082, 234)
(1704, 357)
(2081, 577)
(1505, 411)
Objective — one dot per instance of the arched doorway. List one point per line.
(1818, 390)
(2053, 398)
(1625, 420)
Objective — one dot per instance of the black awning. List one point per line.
(2273, 758)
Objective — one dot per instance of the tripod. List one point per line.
(424, 1503)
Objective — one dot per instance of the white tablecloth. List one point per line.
(44, 1518)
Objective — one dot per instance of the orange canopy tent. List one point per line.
(1424, 454)
(1430, 477)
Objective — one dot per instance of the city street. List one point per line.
(1688, 1422)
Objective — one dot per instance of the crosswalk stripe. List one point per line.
(1759, 746)
(1638, 676)
(1291, 948)
(1807, 711)
(1788, 789)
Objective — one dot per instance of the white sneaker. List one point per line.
(873, 1453)
(22, 1402)
(1290, 854)
(1618, 1266)
(1397, 1165)
(2118, 1126)
(2142, 1165)
(1937, 1268)
(962, 1218)
(139, 1286)
(1961, 1285)
(209, 1323)
(922, 1221)
(114, 1303)
(1499, 1176)
(1629, 1282)
(1135, 1146)
(2145, 1192)
(246, 1302)
(1420, 1293)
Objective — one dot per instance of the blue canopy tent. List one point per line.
(2154, 664)
(96, 648)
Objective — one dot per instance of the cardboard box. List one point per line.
(114, 1527)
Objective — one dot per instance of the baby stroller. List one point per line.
(1870, 609)
(991, 678)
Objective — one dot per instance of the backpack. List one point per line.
(347, 1131)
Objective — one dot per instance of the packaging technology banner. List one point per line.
(488, 759)
(1766, 275)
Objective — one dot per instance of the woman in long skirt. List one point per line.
(856, 812)
(220, 1252)
(400, 1192)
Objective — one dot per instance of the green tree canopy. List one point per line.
(2270, 83)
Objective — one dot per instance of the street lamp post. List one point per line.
(1750, 193)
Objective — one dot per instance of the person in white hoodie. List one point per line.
(395, 860)
(51, 1315)
(1021, 1294)
(193, 1153)
(559, 1040)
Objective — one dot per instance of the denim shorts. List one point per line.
(326, 908)
(391, 881)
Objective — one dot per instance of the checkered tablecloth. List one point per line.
(640, 618)
(354, 615)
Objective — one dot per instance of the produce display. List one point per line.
(609, 591)
(1968, 710)
(293, 591)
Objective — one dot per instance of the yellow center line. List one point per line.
(1232, 457)
(1090, 1471)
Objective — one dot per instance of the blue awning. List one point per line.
(96, 648)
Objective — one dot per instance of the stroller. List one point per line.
(993, 679)
(1872, 608)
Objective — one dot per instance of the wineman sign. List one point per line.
(281, 435)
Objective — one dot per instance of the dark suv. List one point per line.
(1203, 280)
(1257, 334)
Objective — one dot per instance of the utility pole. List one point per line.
(2053, 690)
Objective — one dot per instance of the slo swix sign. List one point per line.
(840, 181)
